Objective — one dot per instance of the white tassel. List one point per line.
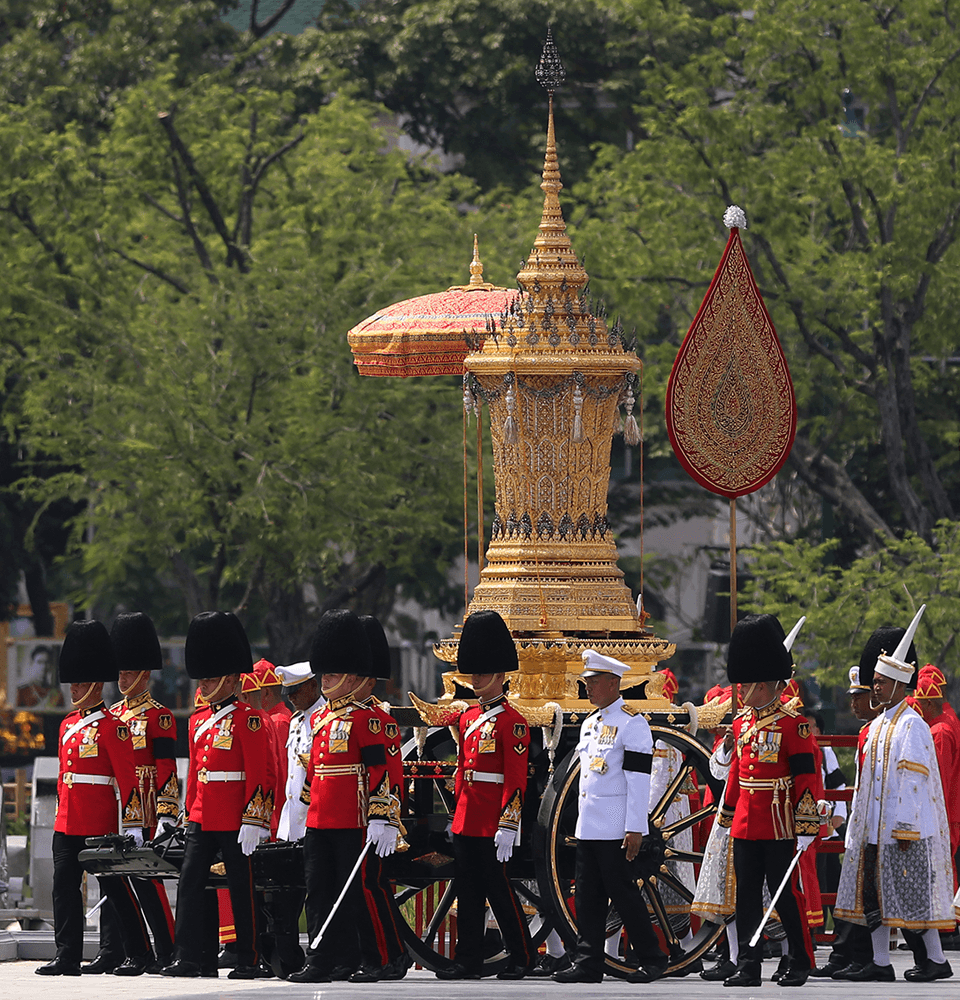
(577, 434)
(510, 425)
(631, 432)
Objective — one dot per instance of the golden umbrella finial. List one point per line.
(476, 267)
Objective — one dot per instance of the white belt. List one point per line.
(70, 778)
(204, 776)
(493, 779)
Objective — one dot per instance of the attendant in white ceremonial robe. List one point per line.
(898, 840)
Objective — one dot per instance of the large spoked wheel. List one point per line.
(423, 875)
(669, 860)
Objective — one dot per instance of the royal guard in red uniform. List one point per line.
(382, 951)
(344, 789)
(96, 768)
(490, 787)
(153, 737)
(771, 800)
(227, 804)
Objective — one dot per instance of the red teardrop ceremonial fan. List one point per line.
(731, 412)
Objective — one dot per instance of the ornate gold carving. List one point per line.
(438, 715)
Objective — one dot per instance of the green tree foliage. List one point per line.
(843, 606)
(460, 72)
(183, 372)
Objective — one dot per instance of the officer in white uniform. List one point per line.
(282, 946)
(616, 753)
(303, 691)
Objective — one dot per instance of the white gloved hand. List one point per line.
(248, 838)
(382, 836)
(804, 842)
(165, 823)
(504, 840)
(137, 835)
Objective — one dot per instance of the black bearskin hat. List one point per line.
(486, 646)
(87, 655)
(884, 640)
(756, 651)
(216, 646)
(379, 648)
(340, 646)
(135, 642)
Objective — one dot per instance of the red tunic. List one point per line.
(348, 764)
(281, 717)
(394, 750)
(236, 748)
(774, 782)
(945, 730)
(153, 737)
(95, 765)
(497, 746)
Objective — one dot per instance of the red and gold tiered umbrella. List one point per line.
(426, 335)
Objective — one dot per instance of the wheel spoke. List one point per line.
(660, 911)
(670, 792)
(685, 822)
(692, 857)
(443, 908)
(668, 878)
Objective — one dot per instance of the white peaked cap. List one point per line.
(895, 667)
(295, 674)
(788, 642)
(855, 684)
(597, 663)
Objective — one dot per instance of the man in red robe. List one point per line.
(945, 729)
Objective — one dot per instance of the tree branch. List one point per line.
(830, 480)
(155, 271)
(234, 253)
(265, 27)
(927, 90)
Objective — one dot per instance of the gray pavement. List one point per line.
(17, 979)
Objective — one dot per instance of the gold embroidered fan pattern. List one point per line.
(731, 413)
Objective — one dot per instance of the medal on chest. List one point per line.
(223, 740)
(88, 743)
(599, 765)
(138, 730)
(768, 745)
(608, 736)
(487, 740)
(339, 741)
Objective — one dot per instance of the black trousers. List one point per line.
(280, 940)
(328, 858)
(755, 861)
(851, 945)
(68, 915)
(380, 940)
(480, 877)
(603, 877)
(195, 937)
(151, 897)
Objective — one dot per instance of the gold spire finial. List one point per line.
(476, 268)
